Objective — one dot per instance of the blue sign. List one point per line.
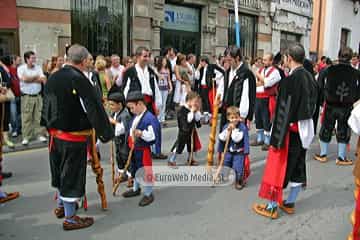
(181, 18)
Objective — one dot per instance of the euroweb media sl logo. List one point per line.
(200, 176)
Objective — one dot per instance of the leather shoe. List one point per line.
(131, 193)
(146, 200)
(159, 156)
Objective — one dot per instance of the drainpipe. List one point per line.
(319, 28)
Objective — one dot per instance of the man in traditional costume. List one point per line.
(209, 77)
(268, 78)
(239, 90)
(142, 136)
(341, 89)
(292, 133)
(72, 112)
(142, 77)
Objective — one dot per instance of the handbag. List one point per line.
(8, 96)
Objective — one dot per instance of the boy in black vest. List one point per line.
(120, 119)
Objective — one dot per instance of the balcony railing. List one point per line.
(249, 3)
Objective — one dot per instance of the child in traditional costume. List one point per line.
(120, 119)
(238, 147)
(188, 120)
(142, 136)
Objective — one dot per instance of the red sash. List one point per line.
(322, 117)
(146, 160)
(149, 100)
(197, 143)
(272, 106)
(247, 170)
(271, 187)
(65, 136)
(270, 91)
(211, 96)
(147, 163)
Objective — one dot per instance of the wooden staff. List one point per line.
(192, 147)
(112, 161)
(98, 170)
(212, 136)
(128, 161)
(216, 176)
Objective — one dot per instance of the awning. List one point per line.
(8, 15)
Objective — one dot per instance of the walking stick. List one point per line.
(128, 161)
(192, 147)
(218, 170)
(212, 136)
(98, 170)
(112, 161)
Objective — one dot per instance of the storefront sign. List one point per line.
(181, 18)
(299, 6)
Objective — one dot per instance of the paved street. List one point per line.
(180, 213)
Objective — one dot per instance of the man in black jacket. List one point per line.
(239, 86)
(340, 87)
(70, 111)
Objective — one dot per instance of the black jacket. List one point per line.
(232, 93)
(62, 108)
(121, 145)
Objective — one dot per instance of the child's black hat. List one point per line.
(117, 97)
(134, 96)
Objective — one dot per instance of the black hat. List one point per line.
(116, 97)
(134, 96)
(277, 58)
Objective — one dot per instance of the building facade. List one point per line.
(190, 26)
(334, 28)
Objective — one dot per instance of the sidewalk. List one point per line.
(35, 144)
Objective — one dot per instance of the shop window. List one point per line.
(8, 42)
(248, 32)
(287, 39)
(99, 25)
(345, 37)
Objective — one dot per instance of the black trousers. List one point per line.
(170, 105)
(333, 115)
(183, 139)
(262, 114)
(296, 167)
(204, 94)
(68, 167)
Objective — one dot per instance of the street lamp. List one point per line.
(356, 6)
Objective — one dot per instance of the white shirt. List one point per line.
(148, 135)
(117, 73)
(119, 127)
(354, 119)
(173, 64)
(89, 76)
(191, 115)
(270, 80)
(192, 76)
(26, 87)
(236, 136)
(144, 77)
(244, 103)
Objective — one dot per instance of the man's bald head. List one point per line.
(268, 59)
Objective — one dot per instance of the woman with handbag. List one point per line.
(5, 82)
